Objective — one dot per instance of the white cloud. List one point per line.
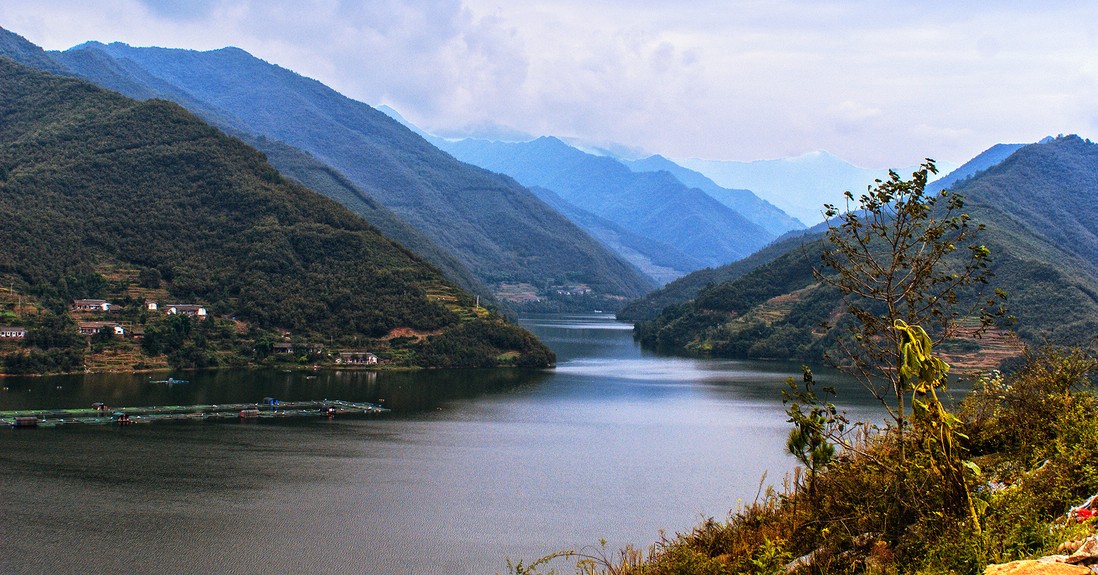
(879, 83)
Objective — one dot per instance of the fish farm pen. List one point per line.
(103, 414)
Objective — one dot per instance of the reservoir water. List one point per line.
(470, 468)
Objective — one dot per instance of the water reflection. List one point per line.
(403, 392)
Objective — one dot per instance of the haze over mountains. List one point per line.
(654, 205)
(661, 224)
(542, 219)
(745, 202)
(800, 185)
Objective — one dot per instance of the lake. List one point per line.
(470, 468)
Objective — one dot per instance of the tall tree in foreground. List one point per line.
(898, 253)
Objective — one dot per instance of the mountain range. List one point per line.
(687, 287)
(480, 228)
(1038, 206)
(745, 202)
(678, 221)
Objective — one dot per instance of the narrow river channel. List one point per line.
(469, 469)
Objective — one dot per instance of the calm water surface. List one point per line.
(470, 468)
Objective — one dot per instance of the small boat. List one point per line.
(25, 421)
(122, 418)
(170, 381)
(249, 414)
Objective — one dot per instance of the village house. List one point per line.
(150, 305)
(90, 305)
(94, 327)
(13, 332)
(192, 310)
(306, 348)
(356, 358)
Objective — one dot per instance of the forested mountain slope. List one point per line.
(494, 226)
(92, 181)
(126, 77)
(1041, 216)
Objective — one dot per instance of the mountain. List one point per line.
(657, 260)
(746, 203)
(687, 287)
(127, 78)
(652, 205)
(102, 192)
(493, 226)
(992, 156)
(1042, 229)
(800, 185)
(22, 50)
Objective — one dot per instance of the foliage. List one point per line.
(814, 423)
(888, 257)
(485, 343)
(868, 514)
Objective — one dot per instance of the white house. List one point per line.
(90, 305)
(192, 310)
(94, 327)
(13, 332)
(356, 358)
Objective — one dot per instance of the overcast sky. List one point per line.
(878, 83)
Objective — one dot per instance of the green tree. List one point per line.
(814, 423)
(898, 252)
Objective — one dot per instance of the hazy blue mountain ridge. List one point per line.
(984, 160)
(798, 185)
(757, 210)
(658, 260)
(654, 205)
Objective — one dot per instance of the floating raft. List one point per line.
(216, 411)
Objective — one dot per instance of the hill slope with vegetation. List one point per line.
(496, 228)
(92, 182)
(1038, 206)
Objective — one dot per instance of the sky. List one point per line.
(878, 83)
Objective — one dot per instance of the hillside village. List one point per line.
(114, 333)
